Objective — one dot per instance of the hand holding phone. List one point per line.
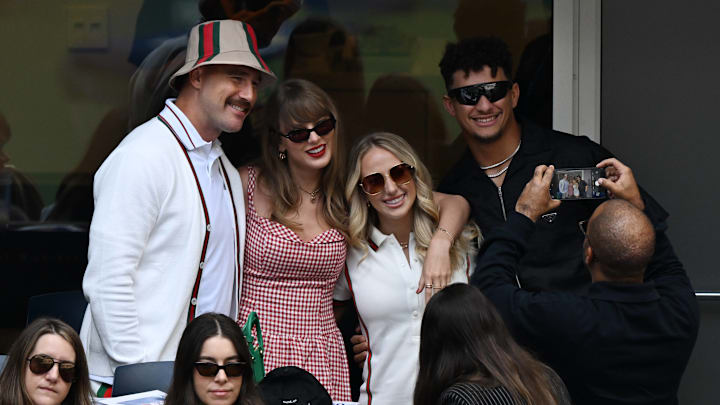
(620, 182)
(535, 199)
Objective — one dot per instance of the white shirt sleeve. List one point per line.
(342, 291)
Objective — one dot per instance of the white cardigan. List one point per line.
(146, 239)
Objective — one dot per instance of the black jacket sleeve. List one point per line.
(539, 319)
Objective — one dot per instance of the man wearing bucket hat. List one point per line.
(168, 229)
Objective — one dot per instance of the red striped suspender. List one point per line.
(193, 299)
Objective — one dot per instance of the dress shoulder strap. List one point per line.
(252, 181)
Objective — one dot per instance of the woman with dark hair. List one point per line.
(46, 366)
(467, 357)
(212, 365)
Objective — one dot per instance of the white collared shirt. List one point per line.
(383, 286)
(215, 293)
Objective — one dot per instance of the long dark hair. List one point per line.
(12, 379)
(463, 339)
(182, 391)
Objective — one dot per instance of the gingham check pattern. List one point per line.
(290, 283)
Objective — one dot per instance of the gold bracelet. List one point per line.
(452, 237)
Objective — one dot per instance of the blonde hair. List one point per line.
(425, 210)
(300, 101)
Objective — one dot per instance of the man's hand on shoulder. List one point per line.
(620, 182)
(535, 199)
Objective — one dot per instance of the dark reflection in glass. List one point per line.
(322, 51)
(401, 104)
(20, 202)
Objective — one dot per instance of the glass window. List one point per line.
(79, 75)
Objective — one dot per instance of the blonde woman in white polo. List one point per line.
(393, 218)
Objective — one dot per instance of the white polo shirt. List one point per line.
(215, 293)
(383, 287)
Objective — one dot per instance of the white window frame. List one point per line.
(576, 67)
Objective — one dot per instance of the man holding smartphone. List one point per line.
(503, 152)
(628, 340)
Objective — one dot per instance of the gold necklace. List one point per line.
(313, 195)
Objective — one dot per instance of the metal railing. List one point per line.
(708, 295)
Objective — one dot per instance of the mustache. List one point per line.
(242, 102)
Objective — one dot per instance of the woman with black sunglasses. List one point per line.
(394, 216)
(46, 366)
(212, 366)
(295, 237)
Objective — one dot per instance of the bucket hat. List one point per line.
(223, 42)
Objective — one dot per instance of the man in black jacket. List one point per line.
(628, 340)
(503, 152)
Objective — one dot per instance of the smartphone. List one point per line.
(577, 184)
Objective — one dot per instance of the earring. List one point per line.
(282, 155)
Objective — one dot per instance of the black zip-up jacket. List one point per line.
(621, 343)
(553, 260)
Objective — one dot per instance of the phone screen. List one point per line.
(577, 184)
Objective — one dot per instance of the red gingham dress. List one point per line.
(290, 283)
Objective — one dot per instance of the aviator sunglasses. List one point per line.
(322, 128)
(207, 369)
(42, 363)
(470, 95)
(373, 184)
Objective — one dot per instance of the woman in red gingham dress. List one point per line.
(295, 245)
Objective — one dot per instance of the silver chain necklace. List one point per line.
(503, 161)
(498, 174)
(501, 172)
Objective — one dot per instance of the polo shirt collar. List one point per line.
(184, 129)
(623, 292)
(377, 238)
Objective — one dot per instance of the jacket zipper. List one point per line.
(502, 205)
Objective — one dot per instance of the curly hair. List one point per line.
(473, 54)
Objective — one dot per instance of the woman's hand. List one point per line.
(436, 269)
(454, 212)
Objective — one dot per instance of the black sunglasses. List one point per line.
(42, 363)
(208, 369)
(470, 95)
(322, 128)
(374, 183)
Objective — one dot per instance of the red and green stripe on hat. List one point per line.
(209, 43)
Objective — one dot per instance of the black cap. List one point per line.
(293, 386)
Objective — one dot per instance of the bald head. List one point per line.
(622, 239)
